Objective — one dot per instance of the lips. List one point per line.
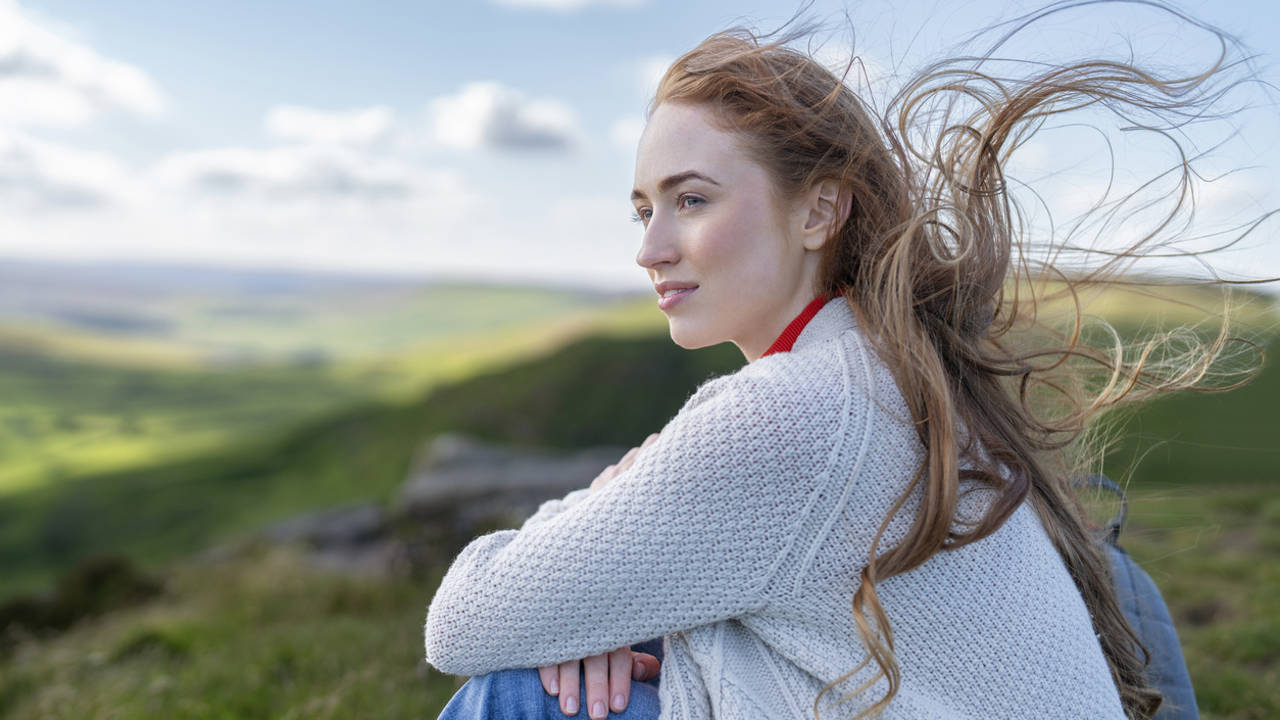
(663, 287)
(666, 303)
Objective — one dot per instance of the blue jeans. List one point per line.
(518, 695)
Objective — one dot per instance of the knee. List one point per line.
(511, 679)
(512, 693)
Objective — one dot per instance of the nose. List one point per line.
(657, 246)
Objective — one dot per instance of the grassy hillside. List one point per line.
(161, 511)
(76, 406)
(63, 418)
(260, 636)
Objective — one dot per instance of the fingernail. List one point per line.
(597, 710)
(571, 705)
(619, 702)
(555, 684)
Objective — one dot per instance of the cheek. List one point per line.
(741, 245)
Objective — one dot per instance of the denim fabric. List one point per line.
(519, 695)
(1145, 609)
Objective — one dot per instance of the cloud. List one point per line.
(491, 115)
(38, 176)
(47, 79)
(299, 206)
(321, 127)
(295, 173)
(567, 5)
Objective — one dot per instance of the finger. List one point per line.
(619, 678)
(569, 681)
(645, 666)
(550, 677)
(595, 671)
(649, 440)
(627, 459)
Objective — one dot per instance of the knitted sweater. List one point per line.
(739, 534)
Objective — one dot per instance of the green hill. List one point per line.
(261, 636)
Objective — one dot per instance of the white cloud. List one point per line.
(38, 177)
(567, 5)
(296, 173)
(32, 102)
(491, 115)
(302, 206)
(323, 127)
(51, 80)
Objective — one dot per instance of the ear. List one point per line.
(827, 209)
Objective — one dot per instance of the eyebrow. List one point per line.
(674, 180)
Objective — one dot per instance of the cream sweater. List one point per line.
(739, 534)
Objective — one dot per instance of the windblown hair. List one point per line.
(936, 263)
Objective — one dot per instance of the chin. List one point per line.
(690, 338)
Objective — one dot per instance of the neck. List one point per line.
(799, 319)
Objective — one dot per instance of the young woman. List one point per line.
(874, 515)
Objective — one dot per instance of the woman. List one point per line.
(872, 516)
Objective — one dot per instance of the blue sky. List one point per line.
(489, 139)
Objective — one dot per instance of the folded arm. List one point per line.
(690, 534)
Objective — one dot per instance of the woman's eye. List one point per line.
(686, 198)
(640, 216)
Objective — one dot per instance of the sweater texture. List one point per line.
(739, 535)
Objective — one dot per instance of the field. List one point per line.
(257, 634)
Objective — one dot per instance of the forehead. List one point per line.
(683, 136)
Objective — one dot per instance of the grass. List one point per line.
(1211, 553)
(257, 637)
(65, 418)
(1203, 477)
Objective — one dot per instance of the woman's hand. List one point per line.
(613, 470)
(608, 680)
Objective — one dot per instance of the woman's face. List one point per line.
(710, 222)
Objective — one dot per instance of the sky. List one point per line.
(494, 139)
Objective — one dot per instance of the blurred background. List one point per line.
(297, 298)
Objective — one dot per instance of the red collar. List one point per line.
(792, 331)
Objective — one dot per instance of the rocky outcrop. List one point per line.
(467, 483)
(458, 487)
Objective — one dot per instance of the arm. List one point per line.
(693, 532)
(551, 508)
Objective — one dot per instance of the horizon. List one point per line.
(177, 268)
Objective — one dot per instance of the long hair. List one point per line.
(936, 262)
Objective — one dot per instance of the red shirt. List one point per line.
(792, 331)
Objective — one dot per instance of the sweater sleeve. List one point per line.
(554, 507)
(690, 534)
